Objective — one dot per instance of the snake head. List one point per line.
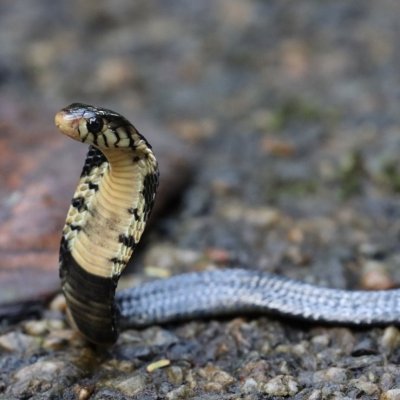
(97, 126)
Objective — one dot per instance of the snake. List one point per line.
(105, 221)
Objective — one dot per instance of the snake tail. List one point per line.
(239, 292)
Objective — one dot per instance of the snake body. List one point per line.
(105, 221)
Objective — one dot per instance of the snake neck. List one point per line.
(110, 209)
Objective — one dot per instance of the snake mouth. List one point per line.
(68, 124)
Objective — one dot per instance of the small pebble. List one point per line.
(296, 235)
(19, 342)
(59, 339)
(132, 385)
(40, 375)
(277, 147)
(367, 387)
(41, 327)
(213, 387)
(156, 336)
(393, 394)
(175, 375)
(216, 378)
(299, 349)
(157, 272)
(191, 380)
(257, 370)
(261, 217)
(365, 347)
(112, 74)
(332, 375)
(315, 395)
(375, 276)
(219, 256)
(370, 250)
(391, 338)
(58, 303)
(168, 256)
(84, 393)
(249, 386)
(320, 341)
(194, 130)
(281, 385)
(181, 392)
(296, 256)
(387, 379)
(36, 328)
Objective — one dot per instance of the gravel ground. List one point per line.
(295, 108)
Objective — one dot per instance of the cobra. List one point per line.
(105, 222)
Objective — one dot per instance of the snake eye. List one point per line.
(94, 125)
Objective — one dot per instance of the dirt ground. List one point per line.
(290, 114)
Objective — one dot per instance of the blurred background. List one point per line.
(277, 128)
(292, 105)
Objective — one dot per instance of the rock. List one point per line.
(84, 393)
(156, 336)
(41, 376)
(281, 385)
(40, 327)
(387, 380)
(168, 256)
(249, 386)
(390, 339)
(35, 328)
(181, 392)
(18, 342)
(393, 394)
(368, 388)
(277, 147)
(375, 276)
(333, 375)
(132, 385)
(59, 339)
(194, 130)
(320, 341)
(58, 303)
(365, 347)
(315, 395)
(216, 379)
(175, 375)
(262, 217)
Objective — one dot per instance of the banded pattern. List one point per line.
(95, 166)
(101, 230)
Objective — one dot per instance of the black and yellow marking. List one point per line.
(90, 299)
(134, 212)
(93, 186)
(120, 173)
(94, 158)
(127, 240)
(78, 203)
(150, 185)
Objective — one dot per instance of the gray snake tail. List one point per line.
(106, 219)
(238, 291)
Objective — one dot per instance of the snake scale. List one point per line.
(105, 221)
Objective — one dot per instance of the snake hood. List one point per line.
(107, 216)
